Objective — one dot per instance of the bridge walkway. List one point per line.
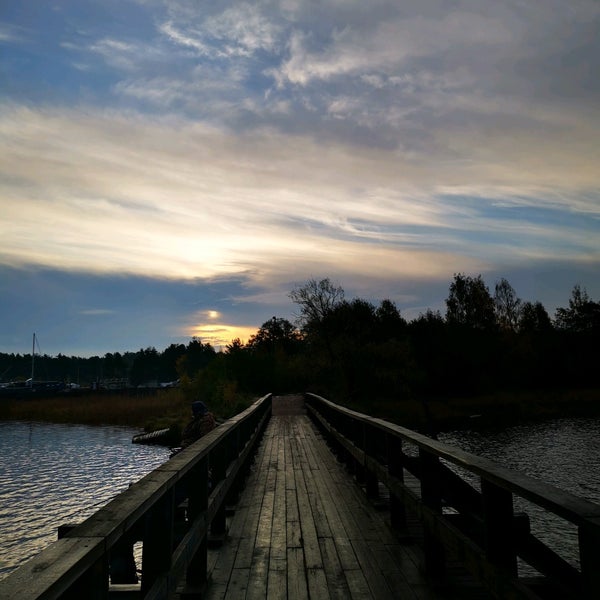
(303, 528)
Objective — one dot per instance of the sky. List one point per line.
(174, 168)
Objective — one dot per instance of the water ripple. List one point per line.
(54, 474)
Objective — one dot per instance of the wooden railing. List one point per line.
(172, 511)
(470, 518)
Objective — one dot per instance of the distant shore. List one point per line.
(497, 409)
(168, 408)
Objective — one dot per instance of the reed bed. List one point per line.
(146, 409)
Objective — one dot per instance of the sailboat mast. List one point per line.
(32, 360)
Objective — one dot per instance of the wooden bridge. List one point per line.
(299, 498)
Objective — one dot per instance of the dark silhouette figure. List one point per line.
(202, 422)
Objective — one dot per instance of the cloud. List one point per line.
(218, 335)
(129, 55)
(117, 192)
(10, 34)
(188, 40)
(97, 311)
(246, 28)
(385, 47)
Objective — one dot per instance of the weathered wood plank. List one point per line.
(359, 588)
(277, 583)
(297, 588)
(258, 577)
(312, 553)
(51, 573)
(278, 543)
(317, 585)
(334, 572)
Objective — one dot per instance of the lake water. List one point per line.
(55, 474)
(563, 452)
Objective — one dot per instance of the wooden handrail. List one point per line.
(151, 510)
(480, 525)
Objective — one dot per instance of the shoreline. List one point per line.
(168, 408)
(494, 410)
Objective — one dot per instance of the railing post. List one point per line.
(93, 584)
(122, 562)
(395, 469)
(198, 503)
(236, 486)
(589, 556)
(158, 541)
(499, 526)
(218, 467)
(369, 447)
(358, 439)
(435, 555)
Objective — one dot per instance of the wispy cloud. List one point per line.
(187, 39)
(10, 34)
(174, 198)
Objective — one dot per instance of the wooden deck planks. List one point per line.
(304, 529)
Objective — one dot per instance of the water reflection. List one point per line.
(563, 452)
(54, 474)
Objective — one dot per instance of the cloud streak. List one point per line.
(173, 198)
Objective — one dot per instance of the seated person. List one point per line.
(202, 422)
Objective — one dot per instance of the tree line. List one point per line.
(352, 349)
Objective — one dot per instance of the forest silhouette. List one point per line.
(359, 353)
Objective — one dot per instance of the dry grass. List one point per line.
(156, 410)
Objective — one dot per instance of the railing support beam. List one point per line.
(435, 555)
(396, 470)
(499, 526)
(589, 552)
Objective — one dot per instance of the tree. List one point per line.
(534, 318)
(316, 299)
(582, 315)
(507, 305)
(145, 366)
(168, 362)
(275, 333)
(197, 356)
(390, 323)
(469, 303)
